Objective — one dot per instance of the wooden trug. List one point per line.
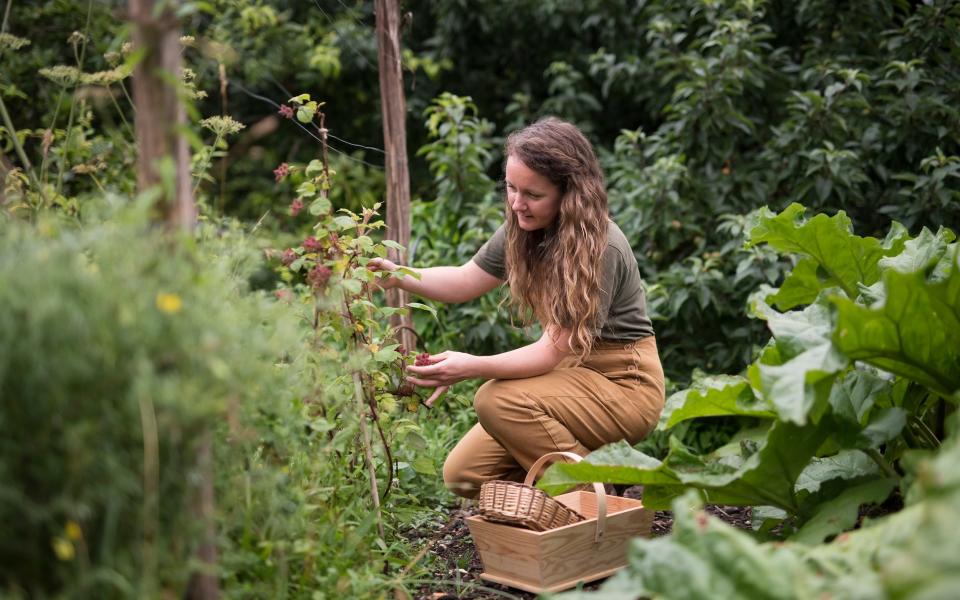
(558, 559)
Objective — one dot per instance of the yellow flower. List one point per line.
(169, 303)
(63, 549)
(73, 530)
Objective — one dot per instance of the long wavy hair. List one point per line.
(554, 273)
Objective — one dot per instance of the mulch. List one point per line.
(456, 567)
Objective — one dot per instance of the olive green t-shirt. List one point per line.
(623, 305)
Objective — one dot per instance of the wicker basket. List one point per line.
(520, 504)
(524, 505)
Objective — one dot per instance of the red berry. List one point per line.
(285, 111)
(423, 360)
(295, 207)
(319, 276)
(281, 171)
(311, 244)
(289, 255)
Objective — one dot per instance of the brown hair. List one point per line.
(554, 273)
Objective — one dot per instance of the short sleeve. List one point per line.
(610, 277)
(491, 257)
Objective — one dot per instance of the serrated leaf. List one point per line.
(846, 259)
(393, 244)
(921, 252)
(913, 333)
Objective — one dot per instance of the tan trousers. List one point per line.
(617, 393)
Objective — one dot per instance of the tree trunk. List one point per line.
(394, 110)
(160, 113)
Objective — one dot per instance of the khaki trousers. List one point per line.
(617, 393)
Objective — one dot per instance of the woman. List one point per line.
(594, 376)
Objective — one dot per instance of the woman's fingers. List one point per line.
(441, 390)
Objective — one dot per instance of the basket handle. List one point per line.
(598, 487)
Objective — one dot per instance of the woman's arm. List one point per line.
(531, 360)
(446, 284)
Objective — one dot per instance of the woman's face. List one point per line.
(533, 198)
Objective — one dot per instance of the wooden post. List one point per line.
(160, 113)
(394, 109)
(159, 120)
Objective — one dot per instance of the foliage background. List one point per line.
(702, 111)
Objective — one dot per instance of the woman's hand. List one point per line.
(445, 369)
(383, 265)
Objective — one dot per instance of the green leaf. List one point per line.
(301, 99)
(320, 206)
(387, 354)
(913, 333)
(854, 394)
(393, 244)
(840, 513)
(846, 464)
(767, 477)
(424, 465)
(306, 189)
(712, 397)
(801, 286)
(420, 306)
(314, 168)
(344, 222)
(351, 286)
(921, 252)
(845, 259)
(799, 388)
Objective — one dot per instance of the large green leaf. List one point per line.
(911, 554)
(914, 333)
(844, 259)
(920, 252)
(801, 286)
(840, 513)
(846, 464)
(798, 387)
(766, 477)
(712, 397)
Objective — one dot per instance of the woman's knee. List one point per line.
(458, 477)
(492, 398)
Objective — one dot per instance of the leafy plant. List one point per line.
(868, 353)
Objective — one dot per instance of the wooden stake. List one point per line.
(394, 109)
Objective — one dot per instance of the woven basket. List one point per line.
(520, 504)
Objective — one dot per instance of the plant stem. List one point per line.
(19, 149)
(73, 100)
(368, 451)
(6, 17)
(885, 466)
